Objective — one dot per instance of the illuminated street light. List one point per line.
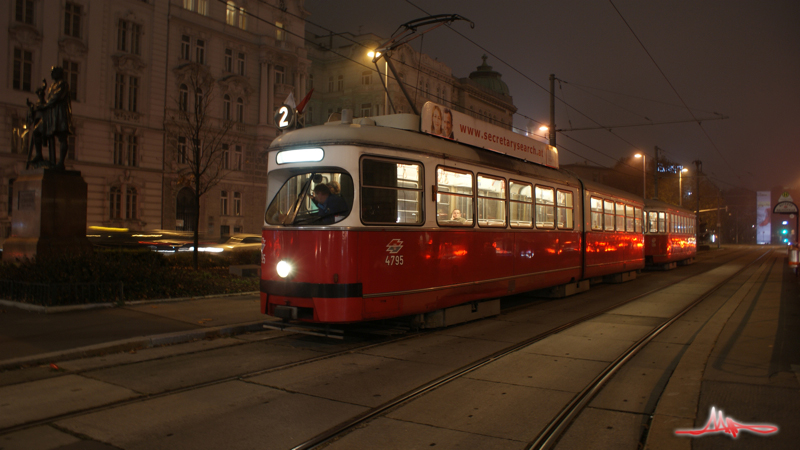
(375, 55)
(644, 174)
(680, 186)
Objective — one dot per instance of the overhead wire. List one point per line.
(664, 75)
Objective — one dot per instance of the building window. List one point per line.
(129, 37)
(237, 203)
(280, 31)
(126, 93)
(228, 60)
(366, 77)
(340, 83)
(237, 158)
(115, 202)
(183, 98)
(182, 159)
(236, 16)
(240, 110)
(310, 82)
(198, 101)
(280, 77)
(126, 149)
(223, 203)
(133, 151)
(23, 64)
(226, 154)
(366, 109)
(240, 63)
(200, 6)
(72, 20)
(226, 107)
(24, 11)
(186, 47)
(330, 84)
(131, 200)
(71, 75)
(200, 51)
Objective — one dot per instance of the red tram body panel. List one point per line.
(376, 219)
(669, 233)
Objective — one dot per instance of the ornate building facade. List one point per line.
(126, 62)
(344, 77)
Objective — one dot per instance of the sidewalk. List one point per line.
(745, 363)
(28, 338)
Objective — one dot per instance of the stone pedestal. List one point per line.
(48, 215)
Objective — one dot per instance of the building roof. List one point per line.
(489, 79)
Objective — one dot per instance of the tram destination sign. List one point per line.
(439, 120)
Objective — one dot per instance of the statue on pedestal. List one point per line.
(54, 121)
(35, 126)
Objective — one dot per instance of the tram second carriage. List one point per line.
(669, 234)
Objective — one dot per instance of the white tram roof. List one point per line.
(402, 132)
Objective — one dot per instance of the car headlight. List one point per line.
(284, 269)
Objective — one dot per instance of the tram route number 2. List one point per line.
(394, 260)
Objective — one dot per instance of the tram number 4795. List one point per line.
(394, 260)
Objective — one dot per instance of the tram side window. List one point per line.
(454, 197)
(545, 207)
(597, 213)
(391, 192)
(662, 222)
(564, 210)
(673, 222)
(620, 217)
(294, 204)
(629, 218)
(491, 201)
(637, 214)
(520, 204)
(608, 212)
(653, 220)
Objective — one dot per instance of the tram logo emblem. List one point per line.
(394, 246)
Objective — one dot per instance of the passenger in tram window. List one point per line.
(329, 204)
(436, 121)
(456, 217)
(448, 123)
(335, 188)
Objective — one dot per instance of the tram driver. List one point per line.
(329, 204)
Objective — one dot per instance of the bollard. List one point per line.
(794, 258)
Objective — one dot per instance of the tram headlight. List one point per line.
(284, 269)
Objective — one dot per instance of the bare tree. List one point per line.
(201, 160)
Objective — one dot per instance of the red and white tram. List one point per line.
(430, 222)
(669, 234)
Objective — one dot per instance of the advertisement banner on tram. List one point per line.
(439, 120)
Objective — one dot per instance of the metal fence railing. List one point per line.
(58, 294)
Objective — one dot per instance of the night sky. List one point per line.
(737, 58)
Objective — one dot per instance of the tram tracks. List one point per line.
(360, 419)
(553, 430)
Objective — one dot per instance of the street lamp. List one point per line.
(644, 174)
(680, 186)
(374, 55)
